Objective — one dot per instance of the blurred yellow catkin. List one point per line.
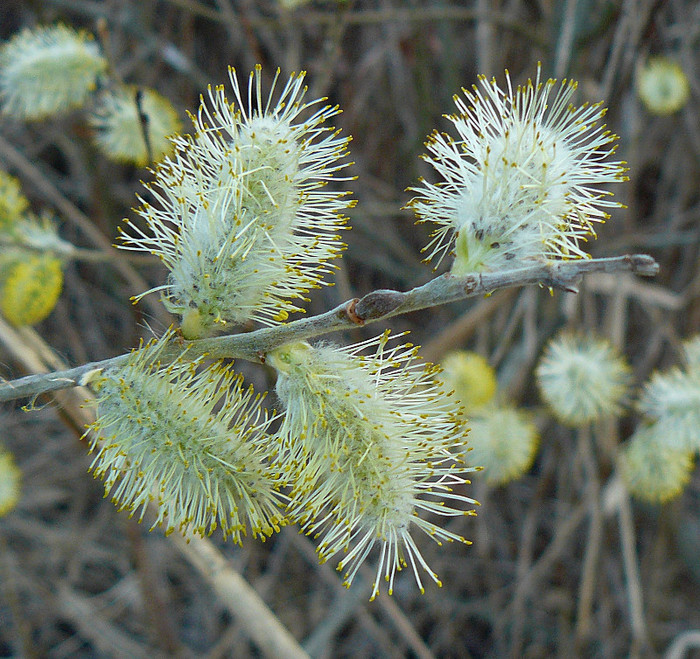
(471, 376)
(662, 85)
(10, 476)
(31, 289)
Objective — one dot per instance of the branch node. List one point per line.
(351, 314)
(565, 275)
(378, 304)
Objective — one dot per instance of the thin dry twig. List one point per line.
(631, 566)
(261, 624)
(594, 538)
(682, 644)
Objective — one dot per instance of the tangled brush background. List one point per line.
(560, 565)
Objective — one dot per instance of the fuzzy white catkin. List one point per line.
(653, 470)
(193, 443)
(471, 376)
(48, 70)
(242, 216)
(522, 178)
(369, 444)
(662, 85)
(502, 440)
(671, 400)
(121, 133)
(582, 378)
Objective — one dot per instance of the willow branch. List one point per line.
(373, 307)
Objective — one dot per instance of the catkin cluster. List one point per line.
(47, 72)
(584, 380)
(368, 447)
(245, 214)
(51, 70)
(502, 438)
(658, 460)
(32, 257)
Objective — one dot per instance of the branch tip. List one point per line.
(643, 264)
